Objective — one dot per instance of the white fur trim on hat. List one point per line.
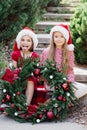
(29, 33)
(71, 47)
(60, 29)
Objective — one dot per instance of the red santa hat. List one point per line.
(23, 32)
(64, 29)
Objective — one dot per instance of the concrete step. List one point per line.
(80, 74)
(43, 42)
(41, 26)
(56, 16)
(69, 4)
(83, 100)
(43, 38)
(67, 9)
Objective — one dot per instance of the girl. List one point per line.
(60, 50)
(26, 42)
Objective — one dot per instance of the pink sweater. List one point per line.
(58, 59)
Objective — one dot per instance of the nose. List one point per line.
(25, 41)
(59, 38)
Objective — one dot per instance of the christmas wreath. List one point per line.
(46, 105)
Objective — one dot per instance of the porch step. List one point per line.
(56, 16)
(70, 4)
(66, 9)
(41, 26)
(83, 100)
(43, 38)
(80, 74)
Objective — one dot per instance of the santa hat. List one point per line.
(64, 29)
(23, 32)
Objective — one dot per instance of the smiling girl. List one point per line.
(26, 42)
(61, 51)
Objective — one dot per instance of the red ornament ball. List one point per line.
(40, 116)
(65, 86)
(37, 71)
(60, 98)
(56, 87)
(45, 110)
(12, 105)
(19, 109)
(18, 93)
(8, 97)
(68, 81)
(57, 116)
(64, 99)
(2, 100)
(50, 115)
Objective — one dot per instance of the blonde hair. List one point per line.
(65, 56)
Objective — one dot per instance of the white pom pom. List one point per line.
(37, 64)
(4, 90)
(38, 120)
(45, 68)
(68, 94)
(71, 47)
(14, 94)
(32, 74)
(51, 76)
(16, 114)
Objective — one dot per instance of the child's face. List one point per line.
(26, 43)
(58, 39)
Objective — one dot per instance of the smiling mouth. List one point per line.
(25, 46)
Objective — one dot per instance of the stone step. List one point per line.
(71, 4)
(43, 38)
(41, 26)
(83, 100)
(56, 16)
(67, 9)
(80, 74)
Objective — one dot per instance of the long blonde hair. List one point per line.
(65, 56)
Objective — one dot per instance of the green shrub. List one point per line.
(3, 62)
(14, 15)
(78, 26)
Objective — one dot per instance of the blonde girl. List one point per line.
(61, 50)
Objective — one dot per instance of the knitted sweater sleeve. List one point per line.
(71, 67)
(43, 56)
